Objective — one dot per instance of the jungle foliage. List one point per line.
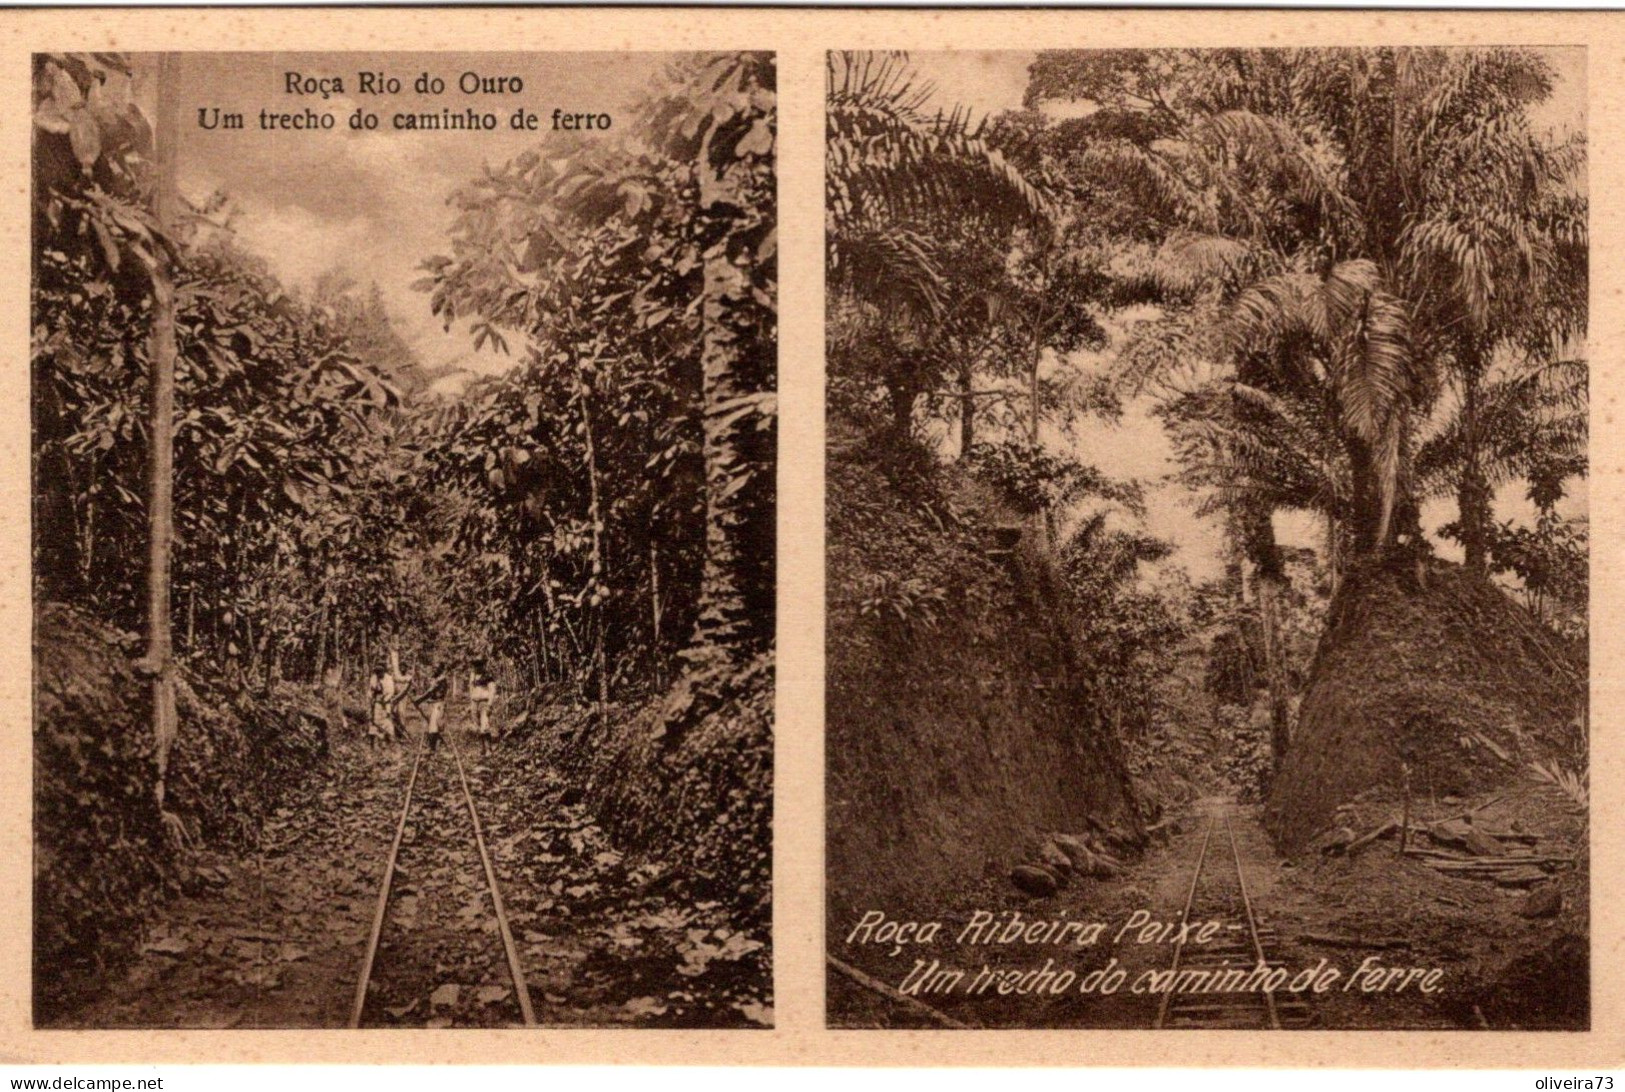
(1348, 283)
(617, 481)
(596, 520)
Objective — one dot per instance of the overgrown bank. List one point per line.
(959, 721)
(1430, 674)
(687, 777)
(681, 784)
(103, 857)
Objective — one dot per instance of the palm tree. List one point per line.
(1251, 212)
(1498, 255)
(1345, 326)
(891, 172)
(1369, 217)
(948, 243)
(1529, 422)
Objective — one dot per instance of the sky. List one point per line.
(989, 81)
(373, 204)
(1136, 447)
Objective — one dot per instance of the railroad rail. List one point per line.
(1242, 945)
(516, 970)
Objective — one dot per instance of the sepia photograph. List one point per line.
(403, 504)
(1207, 540)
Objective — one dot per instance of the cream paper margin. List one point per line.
(800, 38)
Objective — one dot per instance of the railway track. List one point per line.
(1218, 892)
(521, 993)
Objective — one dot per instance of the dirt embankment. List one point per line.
(1448, 676)
(682, 783)
(102, 856)
(685, 776)
(957, 721)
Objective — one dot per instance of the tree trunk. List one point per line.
(967, 409)
(1032, 380)
(575, 643)
(541, 645)
(736, 581)
(654, 611)
(1269, 608)
(1332, 559)
(161, 425)
(1235, 557)
(552, 612)
(600, 667)
(338, 646)
(599, 590)
(1369, 529)
(1037, 328)
(1269, 584)
(251, 660)
(88, 554)
(1473, 490)
(321, 640)
(216, 645)
(903, 396)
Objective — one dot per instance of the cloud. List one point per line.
(373, 204)
(298, 243)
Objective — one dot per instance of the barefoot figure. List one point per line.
(432, 704)
(381, 691)
(482, 691)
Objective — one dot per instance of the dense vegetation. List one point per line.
(1349, 284)
(597, 520)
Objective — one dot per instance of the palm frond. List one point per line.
(1188, 263)
(890, 265)
(886, 156)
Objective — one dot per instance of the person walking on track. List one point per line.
(381, 691)
(388, 690)
(432, 704)
(482, 691)
(400, 683)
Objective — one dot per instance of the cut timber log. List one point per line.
(1501, 872)
(1457, 832)
(1366, 839)
(1335, 841)
(1474, 810)
(1490, 864)
(1428, 856)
